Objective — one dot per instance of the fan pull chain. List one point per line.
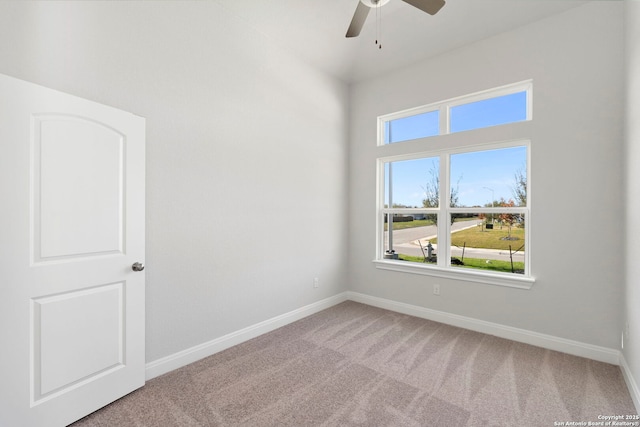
(378, 26)
(377, 21)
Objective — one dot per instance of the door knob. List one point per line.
(137, 266)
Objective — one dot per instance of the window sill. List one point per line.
(511, 281)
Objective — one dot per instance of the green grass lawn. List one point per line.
(418, 223)
(477, 237)
(476, 263)
(409, 224)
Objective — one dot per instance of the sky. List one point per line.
(480, 176)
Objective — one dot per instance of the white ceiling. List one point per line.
(315, 29)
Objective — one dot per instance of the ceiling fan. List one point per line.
(364, 6)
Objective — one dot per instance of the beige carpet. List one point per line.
(356, 365)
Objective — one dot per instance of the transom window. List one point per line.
(465, 210)
(500, 106)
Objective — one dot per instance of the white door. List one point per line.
(71, 227)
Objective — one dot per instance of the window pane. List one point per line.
(492, 245)
(489, 178)
(410, 236)
(489, 112)
(414, 183)
(412, 127)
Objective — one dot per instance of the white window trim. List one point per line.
(443, 268)
(444, 107)
(476, 276)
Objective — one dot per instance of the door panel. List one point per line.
(71, 307)
(78, 336)
(78, 188)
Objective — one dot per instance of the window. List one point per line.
(463, 211)
(412, 127)
(494, 111)
(500, 106)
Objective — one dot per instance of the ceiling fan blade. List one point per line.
(430, 6)
(358, 20)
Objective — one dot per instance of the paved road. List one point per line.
(406, 242)
(408, 235)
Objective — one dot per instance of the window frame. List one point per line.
(443, 267)
(444, 108)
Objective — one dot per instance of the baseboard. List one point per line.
(193, 354)
(632, 385)
(550, 342)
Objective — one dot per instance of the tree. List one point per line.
(432, 194)
(508, 218)
(519, 188)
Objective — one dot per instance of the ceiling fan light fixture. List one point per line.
(374, 3)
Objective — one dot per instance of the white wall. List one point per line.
(576, 62)
(246, 153)
(631, 349)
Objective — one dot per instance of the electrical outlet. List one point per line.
(316, 282)
(436, 289)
